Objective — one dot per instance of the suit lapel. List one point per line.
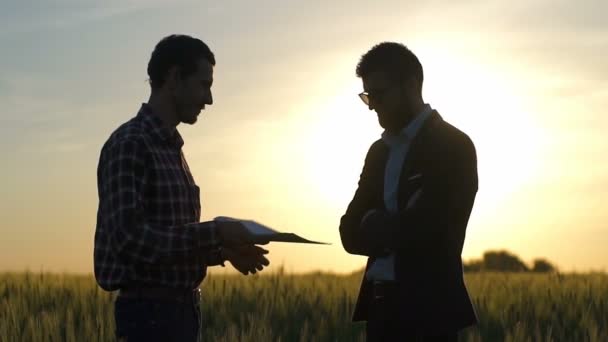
(377, 165)
(381, 172)
(415, 152)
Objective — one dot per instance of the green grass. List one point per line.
(313, 307)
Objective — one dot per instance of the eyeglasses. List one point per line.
(376, 95)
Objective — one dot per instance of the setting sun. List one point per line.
(286, 137)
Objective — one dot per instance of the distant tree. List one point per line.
(475, 265)
(542, 265)
(503, 261)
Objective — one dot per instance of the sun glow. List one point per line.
(316, 155)
(335, 142)
(483, 103)
(486, 103)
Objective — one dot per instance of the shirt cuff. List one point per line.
(209, 243)
(207, 235)
(214, 256)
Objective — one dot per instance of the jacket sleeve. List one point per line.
(351, 234)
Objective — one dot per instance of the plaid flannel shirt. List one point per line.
(148, 231)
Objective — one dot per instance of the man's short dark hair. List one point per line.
(394, 59)
(177, 50)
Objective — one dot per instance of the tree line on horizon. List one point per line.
(504, 261)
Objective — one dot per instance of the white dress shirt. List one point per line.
(399, 145)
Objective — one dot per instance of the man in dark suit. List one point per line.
(410, 210)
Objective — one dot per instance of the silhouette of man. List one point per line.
(149, 243)
(410, 210)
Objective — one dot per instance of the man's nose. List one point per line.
(209, 99)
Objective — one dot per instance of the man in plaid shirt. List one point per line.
(149, 243)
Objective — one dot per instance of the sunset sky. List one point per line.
(285, 139)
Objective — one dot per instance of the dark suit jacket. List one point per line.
(427, 238)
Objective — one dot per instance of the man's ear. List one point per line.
(412, 83)
(412, 86)
(173, 77)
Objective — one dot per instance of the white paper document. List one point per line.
(265, 234)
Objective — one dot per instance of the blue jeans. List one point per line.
(152, 320)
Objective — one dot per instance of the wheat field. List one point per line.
(312, 307)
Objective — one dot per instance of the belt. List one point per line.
(162, 293)
(384, 289)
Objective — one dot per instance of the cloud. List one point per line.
(31, 100)
(28, 16)
(39, 118)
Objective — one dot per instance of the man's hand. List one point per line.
(246, 259)
(376, 231)
(234, 233)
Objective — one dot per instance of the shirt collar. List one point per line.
(158, 128)
(408, 132)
